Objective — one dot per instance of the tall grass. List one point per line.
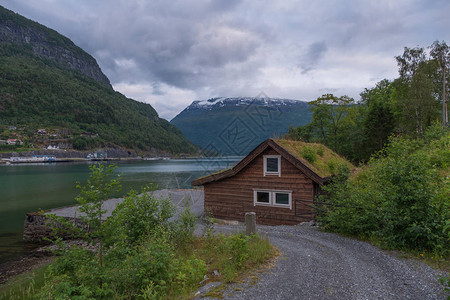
(24, 286)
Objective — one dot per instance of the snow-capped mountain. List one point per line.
(234, 126)
(243, 101)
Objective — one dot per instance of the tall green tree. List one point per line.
(336, 122)
(329, 116)
(416, 91)
(440, 52)
(379, 120)
(410, 61)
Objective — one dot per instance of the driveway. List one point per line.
(318, 265)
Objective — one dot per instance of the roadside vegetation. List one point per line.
(400, 198)
(139, 252)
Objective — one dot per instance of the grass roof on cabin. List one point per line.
(319, 158)
(215, 173)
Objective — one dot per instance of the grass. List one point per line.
(25, 285)
(231, 255)
(435, 261)
(319, 158)
(220, 252)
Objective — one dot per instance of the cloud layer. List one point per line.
(169, 53)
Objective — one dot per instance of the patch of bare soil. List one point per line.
(23, 265)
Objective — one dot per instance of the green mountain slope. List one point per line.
(39, 91)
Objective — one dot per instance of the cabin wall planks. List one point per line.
(232, 197)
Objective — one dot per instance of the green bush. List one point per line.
(239, 250)
(399, 199)
(320, 151)
(189, 272)
(150, 263)
(184, 228)
(138, 216)
(309, 154)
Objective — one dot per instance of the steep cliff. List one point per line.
(47, 43)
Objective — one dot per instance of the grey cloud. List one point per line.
(179, 45)
(312, 56)
(240, 47)
(156, 89)
(329, 90)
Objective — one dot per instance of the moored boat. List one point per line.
(32, 159)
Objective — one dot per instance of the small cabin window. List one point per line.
(272, 165)
(263, 197)
(272, 198)
(282, 198)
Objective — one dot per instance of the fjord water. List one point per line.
(33, 187)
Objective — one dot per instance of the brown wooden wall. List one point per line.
(232, 197)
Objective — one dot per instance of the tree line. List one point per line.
(404, 106)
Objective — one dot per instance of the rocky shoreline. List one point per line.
(26, 263)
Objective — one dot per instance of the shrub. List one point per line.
(188, 272)
(320, 151)
(138, 216)
(150, 263)
(239, 250)
(400, 198)
(184, 228)
(309, 154)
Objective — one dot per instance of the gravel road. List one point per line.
(318, 265)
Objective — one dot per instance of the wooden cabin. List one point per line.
(278, 180)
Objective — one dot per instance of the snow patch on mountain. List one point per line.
(243, 101)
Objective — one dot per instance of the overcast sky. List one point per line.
(169, 52)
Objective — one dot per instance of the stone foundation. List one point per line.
(38, 226)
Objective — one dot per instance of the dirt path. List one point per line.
(318, 265)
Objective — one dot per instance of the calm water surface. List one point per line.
(27, 188)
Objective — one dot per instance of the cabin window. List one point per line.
(272, 165)
(263, 197)
(282, 198)
(273, 198)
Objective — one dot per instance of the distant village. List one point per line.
(12, 137)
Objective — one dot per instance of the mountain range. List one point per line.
(234, 126)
